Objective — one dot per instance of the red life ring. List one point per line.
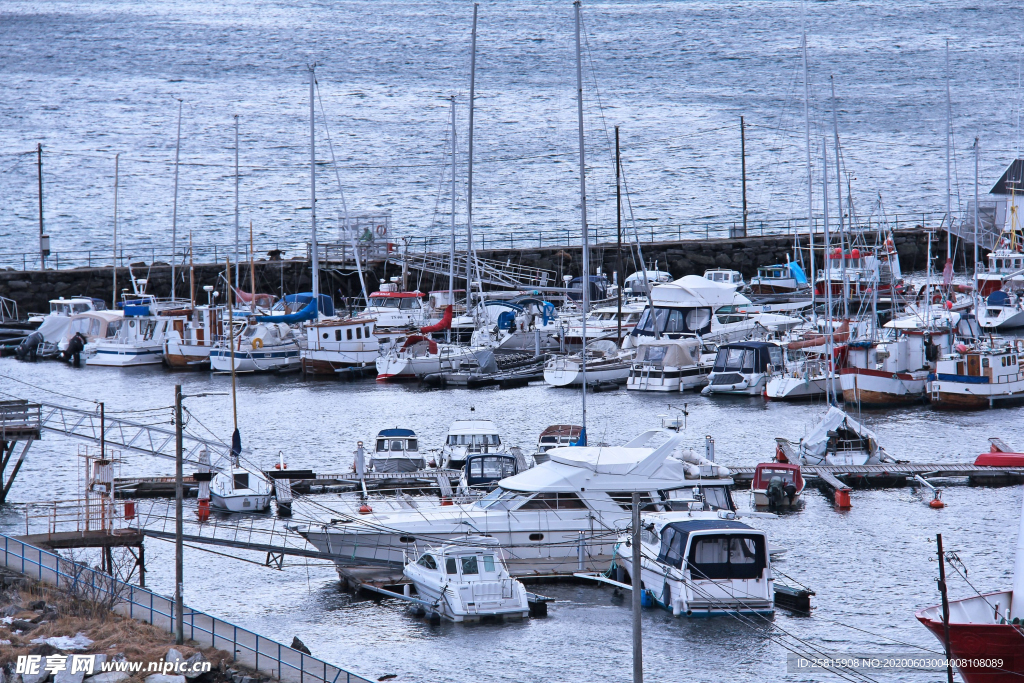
(381, 230)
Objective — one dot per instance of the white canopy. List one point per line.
(693, 290)
(678, 353)
(816, 443)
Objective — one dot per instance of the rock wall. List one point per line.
(32, 289)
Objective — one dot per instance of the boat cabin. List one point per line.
(396, 441)
(556, 436)
(787, 471)
(75, 305)
(634, 284)
(483, 469)
(714, 549)
(340, 334)
(985, 366)
(749, 358)
(724, 276)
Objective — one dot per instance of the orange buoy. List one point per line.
(855, 253)
(842, 498)
(203, 511)
(936, 503)
(365, 509)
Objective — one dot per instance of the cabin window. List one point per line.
(718, 497)
(349, 333)
(241, 480)
(409, 304)
(775, 354)
(382, 446)
(396, 445)
(473, 440)
(366, 332)
(469, 565)
(727, 557)
(984, 362)
(625, 499)
(427, 561)
(337, 335)
(488, 563)
(359, 333)
(500, 499)
(672, 547)
(1002, 360)
(554, 501)
(79, 308)
(411, 445)
(698, 319)
(450, 567)
(536, 537)
(113, 328)
(493, 467)
(675, 322)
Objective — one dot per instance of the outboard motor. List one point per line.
(776, 493)
(74, 351)
(27, 349)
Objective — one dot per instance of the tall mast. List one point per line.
(829, 319)
(949, 179)
(976, 151)
(238, 262)
(312, 192)
(618, 235)
(807, 145)
(839, 203)
(191, 275)
(583, 218)
(174, 218)
(451, 253)
(743, 172)
(252, 276)
(113, 298)
(470, 261)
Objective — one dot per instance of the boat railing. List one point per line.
(134, 602)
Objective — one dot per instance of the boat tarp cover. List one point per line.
(307, 313)
(798, 273)
(396, 432)
(816, 443)
(675, 534)
(998, 298)
(54, 327)
(485, 359)
(676, 353)
(694, 290)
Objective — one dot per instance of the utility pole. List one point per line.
(743, 172)
(945, 608)
(179, 600)
(638, 652)
(44, 242)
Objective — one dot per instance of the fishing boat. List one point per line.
(259, 347)
(668, 365)
(467, 582)
(550, 516)
(702, 564)
(394, 309)
(1002, 310)
(744, 368)
(725, 276)
(397, 450)
(140, 337)
(837, 439)
(555, 436)
(1004, 271)
(861, 273)
(892, 372)
(469, 436)
(979, 376)
(777, 485)
(983, 632)
(606, 362)
(786, 278)
(336, 345)
(190, 347)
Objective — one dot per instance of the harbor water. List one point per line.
(88, 80)
(871, 566)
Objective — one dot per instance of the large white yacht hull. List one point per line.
(566, 372)
(789, 388)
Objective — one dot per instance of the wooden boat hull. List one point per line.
(315, 366)
(875, 388)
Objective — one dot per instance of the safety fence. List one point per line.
(248, 648)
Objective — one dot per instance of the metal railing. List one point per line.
(248, 648)
(378, 247)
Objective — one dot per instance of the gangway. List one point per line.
(491, 272)
(19, 426)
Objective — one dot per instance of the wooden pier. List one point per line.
(896, 474)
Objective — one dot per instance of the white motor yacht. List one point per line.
(467, 582)
(259, 347)
(148, 321)
(563, 515)
(668, 365)
(469, 436)
(725, 276)
(745, 368)
(336, 345)
(702, 564)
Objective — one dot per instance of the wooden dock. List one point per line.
(896, 474)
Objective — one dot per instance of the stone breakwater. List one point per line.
(32, 289)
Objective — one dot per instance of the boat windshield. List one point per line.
(473, 440)
(384, 302)
(735, 360)
(500, 499)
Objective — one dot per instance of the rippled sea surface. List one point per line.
(871, 566)
(93, 78)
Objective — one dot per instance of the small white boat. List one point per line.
(787, 278)
(668, 365)
(804, 379)
(469, 436)
(634, 284)
(397, 450)
(777, 485)
(240, 488)
(555, 436)
(467, 582)
(417, 356)
(702, 564)
(336, 345)
(606, 362)
(745, 368)
(837, 439)
(259, 347)
(724, 276)
(1001, 311)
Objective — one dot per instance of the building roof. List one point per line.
(1012, 179)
